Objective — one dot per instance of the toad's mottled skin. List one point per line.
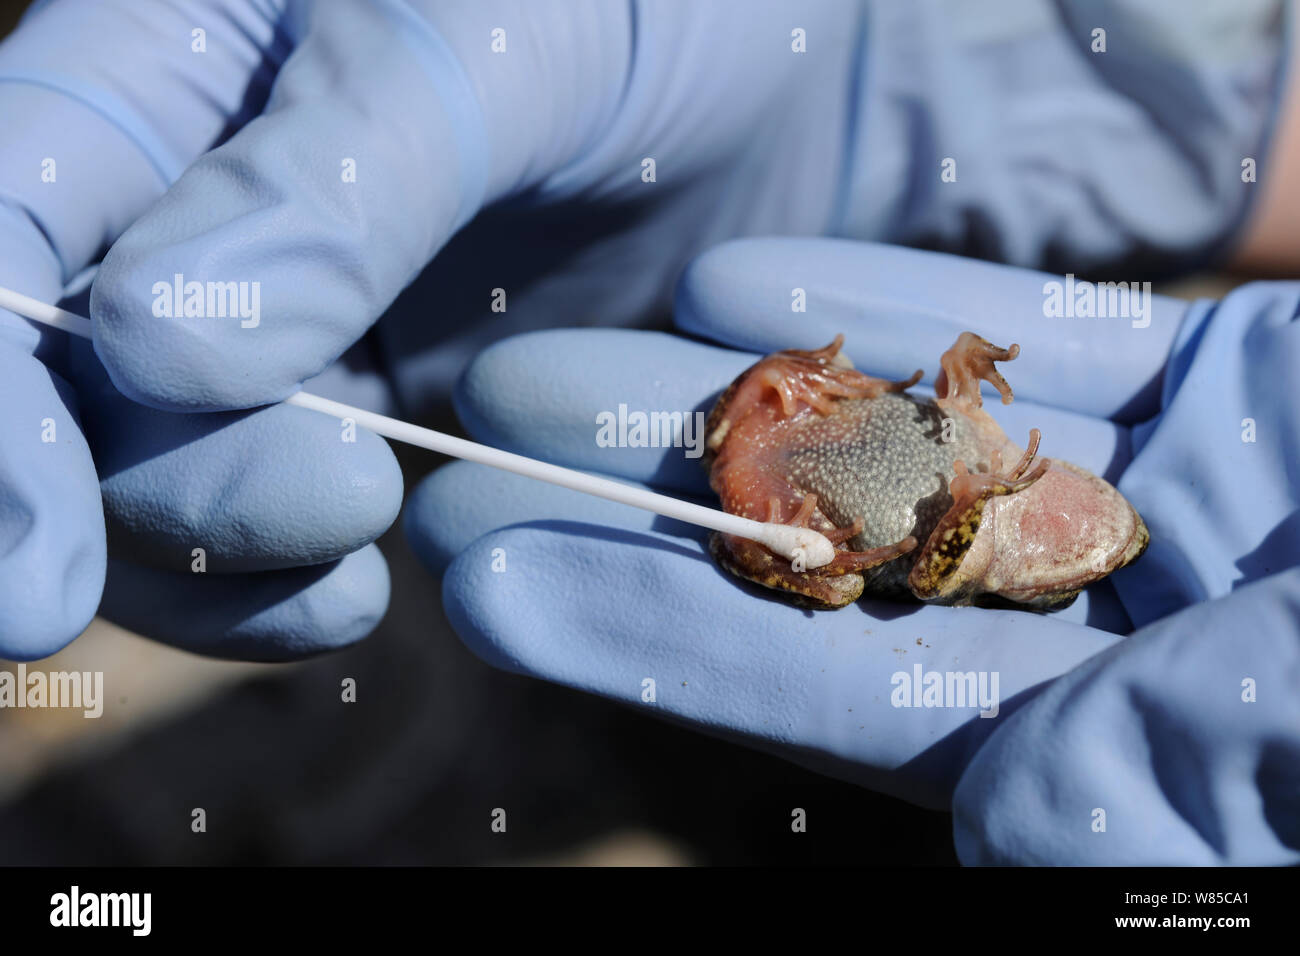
(913, 492)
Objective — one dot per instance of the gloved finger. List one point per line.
(558, 395)
(573, 396)
(900, 309)
(1178, 747)
(389, 127)
(1215, 475)
(267, 616)
(88, 146)
(842, 692)
(462, 501)
(51, 523)
(300, 230)
(52, 552)
(276, 487)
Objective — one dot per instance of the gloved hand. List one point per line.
(354, 139)
(1151, 727)
(283, 510)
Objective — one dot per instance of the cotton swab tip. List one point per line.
(801, 546)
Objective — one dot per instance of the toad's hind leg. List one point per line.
(831, 586)
(935, 574)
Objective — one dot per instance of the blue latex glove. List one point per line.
(1151, 727)
(284, 510)
(747, 136)
(437, 120)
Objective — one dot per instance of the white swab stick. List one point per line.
(803, 546)
(39, 311)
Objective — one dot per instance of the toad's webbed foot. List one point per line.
(962, 368)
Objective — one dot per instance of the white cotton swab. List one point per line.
(803, 547)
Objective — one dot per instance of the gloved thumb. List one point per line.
(273, 253)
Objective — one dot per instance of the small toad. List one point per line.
(924, 499)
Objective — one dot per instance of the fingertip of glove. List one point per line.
(588, 593)
(473, 609)
(425, 519)
(462, 500)
(176, 363)
(50, 586)
(271, 616)
(52, 552)
(568, 396)
(502, 386)
(36, 626)
(356, 485)
(546, 567)
(716, 294)
(139, 354)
